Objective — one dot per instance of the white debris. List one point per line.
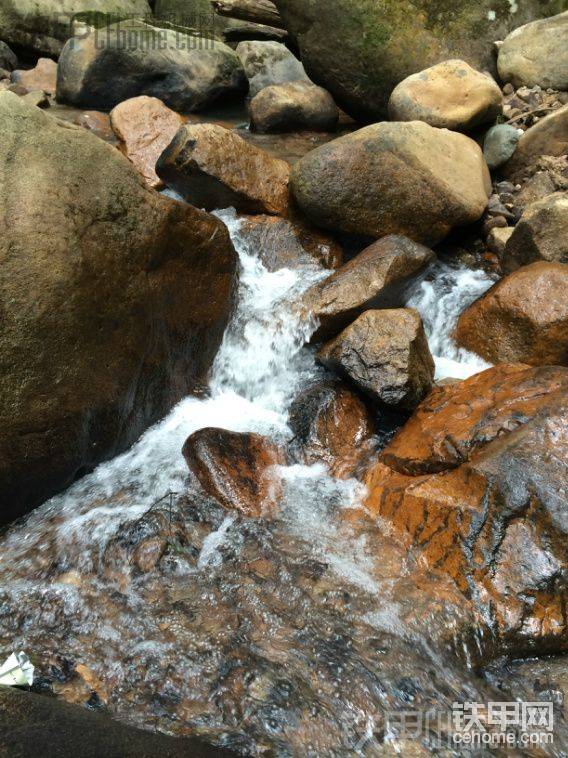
(17, 670)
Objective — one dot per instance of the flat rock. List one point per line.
(394, 178)
(385, 354)
(213, 167)
(145, 127)
(540, 235)
(449, 95)
(523, 318)
(376, 278)
(293, 106)
(267, 63)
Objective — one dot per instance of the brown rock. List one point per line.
(331, 425)
(145, 127)
(235, 468)
(42, 77)
(521, 319)
(498, 238)
(549, 136)
(540, 235)
(213, 167)
(449, 95)
(376, 278)
(287, 243)
(292, 106)
(385, 353)
(98, 123)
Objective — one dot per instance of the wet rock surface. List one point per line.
(293, 106)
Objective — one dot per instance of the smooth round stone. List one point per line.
(500, 144)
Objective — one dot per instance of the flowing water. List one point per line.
(134, 592)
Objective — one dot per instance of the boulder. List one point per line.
(43, 26)
(124, 60)
(493, 517)
(289, 243)
(549, 136)
(376, 278)
(42, 77)
(449, 95)
(37, 98)
(213, 167)
(8, 59)
(145, 127)
(537, 53)
(385, 354)
(114, 301)
(98, 123)
(523, 318)
(394, 178)
(235, 469)
(269, 63)
(540, 235)
(500, 144)
(360, 50)
(293, 106)
(331, 425)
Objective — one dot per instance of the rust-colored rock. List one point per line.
(521, 319)
(145, 127)
(42, 77)
(235, 469)
(376, 278)
(540, 235)
(98, 123)
(331, 425)
(289, 243)
(213, 167)
(385, 353)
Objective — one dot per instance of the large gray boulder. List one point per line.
(114, 300)
(360, 50)
(293, 106)
(537, 53)
(269, 63)
(45, 25)
(128, 59)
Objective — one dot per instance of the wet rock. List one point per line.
(42, 77)
(331, 425)
(290, 243)
(394, 178)
(293, 106)
(548, 137)
(376, 278)
(500, 144)
(269, 63)
(523, 318)
(145, 127)
(235, 469)
(125, 60)
(449, 95)
(213, 167)
(8, 59)
(537, 54)
(98, 123)
(498, 238)
(496, 523)
(385, 353)
(541, 234)
(104, 326)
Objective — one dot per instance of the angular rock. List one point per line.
(287, 243)
(44, 26)
(376, 278)
(114, 301)
(293, 106)
(549, 136)
(269, 63)
(359, 50)
(213, 167)
(449, 95)
(235, 469)
(385, 353)
(496, 524)
(537, 53)
(500, 144)
(42, 77)
(38, 98)
(331, 425)
(128, 59)
(497, 239)
(540, 235)
(394, 178)
(98, 123)
(145, 127)
(523, 318)
(8, 59)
